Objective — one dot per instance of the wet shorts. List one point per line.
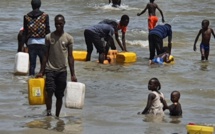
(158, 60)
(204, 47)
(93, 38)
(56, 83)
(152, 21)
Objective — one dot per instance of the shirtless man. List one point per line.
(152, 18)
(206, 36)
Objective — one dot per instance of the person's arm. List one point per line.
(138, 14)
(47, 24)
(170, 42)
(118, 41)
(71, 61)
(163, 101)
(123, 41)
(25, 32)
(20, 44)
(161, 14)
(197, 37)
(151, 97)
(212, 31)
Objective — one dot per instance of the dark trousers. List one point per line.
(35, 50)
(155, 43)
(93, 38)
(56, 83)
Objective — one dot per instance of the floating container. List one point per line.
(197, 129)
(126, 57)
(80, 55)
(112, 55)
(21, 63)
(74, 95)
(170, 58)
(36, 91)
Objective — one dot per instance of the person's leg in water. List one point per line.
(202, 51)
(60, 88)
(109, 44)
(50, 87)
(32, 58)
(49, 103)
(151, 46)
(88, 57)
(106, 51)
(206, 55)
(41, 52)
(101, 57)
(159, 45)
(88, 40)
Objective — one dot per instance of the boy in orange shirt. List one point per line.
(122, 26)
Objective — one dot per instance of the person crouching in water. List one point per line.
(97, 35)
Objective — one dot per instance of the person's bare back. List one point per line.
(152, 9)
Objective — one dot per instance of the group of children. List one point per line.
(156, 103)
(205, 31)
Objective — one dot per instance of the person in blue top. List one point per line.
(156, 37)
(97, 35)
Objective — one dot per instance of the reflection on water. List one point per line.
(204, 66)
(153, 118)
(175, 120)
(66, 124)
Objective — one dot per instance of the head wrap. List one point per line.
(36, 4)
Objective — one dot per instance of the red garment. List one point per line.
(152, 21)
(123, 28)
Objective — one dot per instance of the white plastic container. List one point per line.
(74, 95)
(21, 63)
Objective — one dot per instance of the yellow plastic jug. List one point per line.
(80, 55)
(197, 129)
(112, 56)
(126, 57)
(36, 91)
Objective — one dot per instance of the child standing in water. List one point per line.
(205, 43)
(175, 107)
(156, 102)
(152, 19)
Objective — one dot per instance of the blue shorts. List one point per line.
(158, 60)
(204, 47)
(56, 83)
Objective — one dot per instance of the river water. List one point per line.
(114, 93)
